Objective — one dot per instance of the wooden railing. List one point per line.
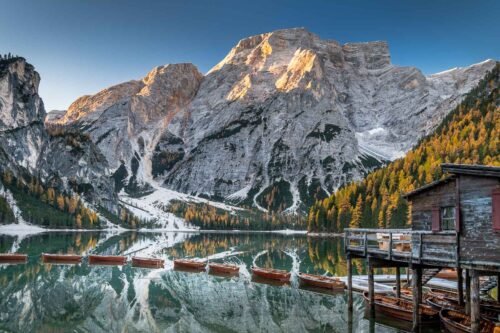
(404, 245)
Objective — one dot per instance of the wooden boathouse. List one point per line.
(455, 223)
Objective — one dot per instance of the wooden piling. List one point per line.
(475, 305)
(460, 286)
(498, 288)
(467, 292)
(371, 286)
(398, 282)
(349, 282)
(349, 322)
(416, 283)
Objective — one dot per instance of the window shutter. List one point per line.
(495, 204)
(436, 219)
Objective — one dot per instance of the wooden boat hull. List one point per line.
(190, 264)
(449, 274)
(223, 269)
(446, 294)
(321, 281)
(70, 259)
(107, 260)
(147, 262)
(457, 322)
(401, 308)
(272, 274)
(442, 303)
(275, 283)
(406, 293)
(6, 258)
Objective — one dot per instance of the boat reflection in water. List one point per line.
(37, 297)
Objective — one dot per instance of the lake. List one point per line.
(37, 297)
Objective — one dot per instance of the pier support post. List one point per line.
(398, 282)
(498, 288)
(416, 283)
(475, 306)
(349, 322)
(460, 286)
(349, 282)
(371, 286)
(467, 292)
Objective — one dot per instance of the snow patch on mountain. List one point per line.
(373, 142)
(153, 207)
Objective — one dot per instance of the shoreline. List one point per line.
(30, 229)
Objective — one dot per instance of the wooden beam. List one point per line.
(371, 286)
(416, 283)
(467, 292)
(475, 306)
(460, 286)
(398, 282)
(349, 282)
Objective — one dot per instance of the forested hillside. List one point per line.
(469, 135)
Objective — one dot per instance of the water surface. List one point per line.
(37, 297)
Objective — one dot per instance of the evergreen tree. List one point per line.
(470, 134)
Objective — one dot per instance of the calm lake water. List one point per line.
(37, 297)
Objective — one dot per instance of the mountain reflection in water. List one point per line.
(37, 297)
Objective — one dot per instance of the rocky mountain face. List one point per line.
(126, 121)
(61, 159)
(283, 119)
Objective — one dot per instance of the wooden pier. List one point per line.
(455, 223)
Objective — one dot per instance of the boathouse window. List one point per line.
(448, 218)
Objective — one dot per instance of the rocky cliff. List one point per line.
(284, 118)
(57, 157)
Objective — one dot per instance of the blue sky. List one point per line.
(80, 47)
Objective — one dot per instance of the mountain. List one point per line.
(283, 119)
(33, 159)
(470, 134)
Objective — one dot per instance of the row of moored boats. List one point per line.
(73, 259)
(186, 264)
(264, 273)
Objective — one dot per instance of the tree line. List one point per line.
(45, 205)
(208, 217)
(468, 135)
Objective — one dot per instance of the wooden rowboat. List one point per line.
(458, 322)
(223, 268)
(13, 257)
(190, 263)
(147, 262)
(406, 293)
(448, 273)
(402, 309)
(321, 281)
(272, 274)
(446, 294)
(61, 258)
(107, 260)
(274, 283)
(443, 303)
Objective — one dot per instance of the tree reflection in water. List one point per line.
(36, 297)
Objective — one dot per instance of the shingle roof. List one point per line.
(428, 186)
(471, 169)
(458, 169)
